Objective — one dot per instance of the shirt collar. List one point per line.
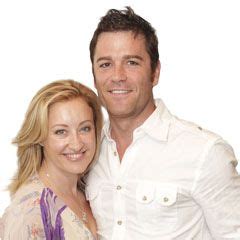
(106, 131)
(156, 125)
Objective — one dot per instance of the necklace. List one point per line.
(84, 216)
(83, 213)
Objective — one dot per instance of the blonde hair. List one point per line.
(34, 127)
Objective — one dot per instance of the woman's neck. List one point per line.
(55, 179)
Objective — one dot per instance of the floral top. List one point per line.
(37, 213)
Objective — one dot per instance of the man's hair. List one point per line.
(126, 20)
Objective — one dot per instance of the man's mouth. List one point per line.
(119, 91)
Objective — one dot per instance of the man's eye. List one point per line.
(104, 65)
(60, 132)
(131, 62)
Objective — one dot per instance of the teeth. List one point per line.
(120, 91)
(74, 156)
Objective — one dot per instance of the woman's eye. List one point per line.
(60, 132)
(85, 129)
(104, 65)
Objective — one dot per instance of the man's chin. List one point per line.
(118, 113)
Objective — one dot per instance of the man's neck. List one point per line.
(122, 129)
(122, 134)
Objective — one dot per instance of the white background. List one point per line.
(199, 45)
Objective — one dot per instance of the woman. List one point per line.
(57, 144)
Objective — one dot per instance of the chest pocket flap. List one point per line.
(145, 192)
(91, 192)
(166, 196)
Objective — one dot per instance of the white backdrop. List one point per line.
(46, 40)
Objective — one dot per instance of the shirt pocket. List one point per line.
(93, 196)
(100, 199)
(156, 206)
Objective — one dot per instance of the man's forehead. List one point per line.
(109, 43)
(134, 34)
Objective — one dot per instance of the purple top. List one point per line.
(51, 215)
(37, 213)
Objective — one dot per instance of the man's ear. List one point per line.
(94, 77)
(95, 84)
(156, 74)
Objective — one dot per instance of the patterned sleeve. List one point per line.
(1, 228)
(22, 219)
(27, 227)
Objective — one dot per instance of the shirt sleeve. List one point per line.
(1, 228)
(22, 227)
(217, 191)
(22, 219)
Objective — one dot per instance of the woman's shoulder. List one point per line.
(26, 199)
(28, 195)
(24, 213)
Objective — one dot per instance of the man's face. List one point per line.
(123, 74)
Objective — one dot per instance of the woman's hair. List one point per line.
(34, 129)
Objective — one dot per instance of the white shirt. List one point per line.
(175, 181)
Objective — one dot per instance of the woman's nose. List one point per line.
(76, 142)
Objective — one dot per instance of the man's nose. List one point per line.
(119, 73)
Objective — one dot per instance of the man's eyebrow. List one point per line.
(104, 58)
(124, 57)
(133, 56)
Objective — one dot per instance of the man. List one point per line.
(157, 177)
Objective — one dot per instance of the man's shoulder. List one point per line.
(194, 130)
(181, 127)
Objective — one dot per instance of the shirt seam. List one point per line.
(203, 158)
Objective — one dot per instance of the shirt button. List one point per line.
(144, 198)
(165, 199)
(115, 153)
(119, 187)
(119, 222)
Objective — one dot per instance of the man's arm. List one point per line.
(217, 191)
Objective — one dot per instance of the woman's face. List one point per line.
(70, 144)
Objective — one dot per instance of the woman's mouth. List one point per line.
(74, 156)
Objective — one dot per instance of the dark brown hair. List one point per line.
(126, 20)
